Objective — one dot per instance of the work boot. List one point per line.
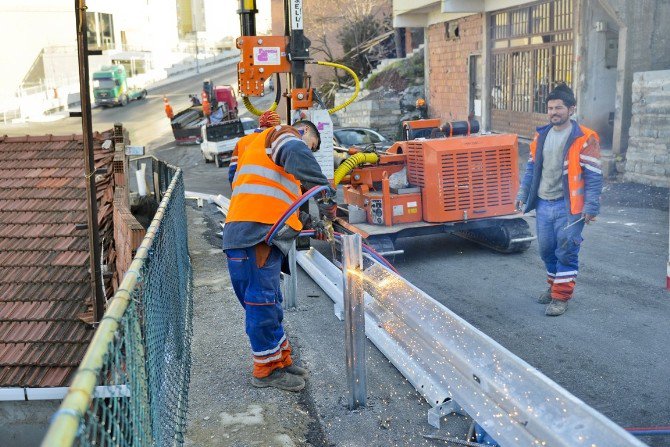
(545, 298)
(296, 370)
(556, 308)
(281, 380)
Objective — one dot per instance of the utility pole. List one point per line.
(89, 164)
(197, 60)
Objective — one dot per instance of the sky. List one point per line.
(229, 21)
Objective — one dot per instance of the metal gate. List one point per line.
(531, 50)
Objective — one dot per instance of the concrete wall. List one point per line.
(597, 93)
(648, 157)
(644, 45)
(24, 423)
(448, 65)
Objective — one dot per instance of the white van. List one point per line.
(219, 140)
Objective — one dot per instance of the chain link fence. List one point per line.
(131, 388)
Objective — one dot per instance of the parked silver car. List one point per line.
(360, 137)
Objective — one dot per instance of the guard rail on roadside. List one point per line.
(458, 368)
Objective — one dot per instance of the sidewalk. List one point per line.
(225, 410)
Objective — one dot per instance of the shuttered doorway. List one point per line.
(531, 50)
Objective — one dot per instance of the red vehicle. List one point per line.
(226, 94)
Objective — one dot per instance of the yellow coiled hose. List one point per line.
(350, 163)
(357, 88)
(357, 85)
(250, 107)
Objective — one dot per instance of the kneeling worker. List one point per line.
(270, 173)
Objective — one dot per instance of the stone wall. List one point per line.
(374, 110)
(648, 156)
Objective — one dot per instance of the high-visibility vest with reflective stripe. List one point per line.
(262, 191)
(574, 168)
(243, 142)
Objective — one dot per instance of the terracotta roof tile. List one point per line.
(44, 261)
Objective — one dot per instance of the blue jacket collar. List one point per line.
(576, 131)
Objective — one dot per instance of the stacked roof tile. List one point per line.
(44, 261)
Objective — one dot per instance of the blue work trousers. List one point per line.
(257, 289)
(559, 239)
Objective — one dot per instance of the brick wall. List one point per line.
(128, 234)
(448, 65)
(648, 156)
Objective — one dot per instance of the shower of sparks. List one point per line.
(438, 350)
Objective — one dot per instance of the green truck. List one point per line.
(110, 87)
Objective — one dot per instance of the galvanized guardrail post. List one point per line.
(291, 299)
(354, 320)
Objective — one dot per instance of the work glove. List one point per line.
(306, 220)
(328, 210)
(323, 230)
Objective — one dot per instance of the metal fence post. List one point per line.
(354, 320)
(291, 299)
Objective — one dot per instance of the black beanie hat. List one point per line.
(564, 93)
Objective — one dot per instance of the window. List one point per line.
(100, 31)
(531, 51)
(107, 83)
(357, 137)
(249, 125)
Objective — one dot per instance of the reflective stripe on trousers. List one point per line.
(559, 246)
(257, 289)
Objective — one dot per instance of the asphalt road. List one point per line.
(611, 347)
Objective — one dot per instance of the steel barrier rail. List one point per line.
(449, 361)
(453, 365)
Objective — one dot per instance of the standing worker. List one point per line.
(563, 182)
(422, 108)
(168, 108)
(267, 120)
(271, 171)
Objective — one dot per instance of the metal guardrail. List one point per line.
(458, 368)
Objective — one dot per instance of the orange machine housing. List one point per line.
(261, 57)
(382, 206)
(464, 178)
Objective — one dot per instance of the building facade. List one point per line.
(498, 60)
(40, 51)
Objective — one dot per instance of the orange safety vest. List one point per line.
(262, 191)
(242, 143)
(572, 167)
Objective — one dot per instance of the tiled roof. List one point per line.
(44, 263)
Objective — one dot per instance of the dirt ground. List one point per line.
(224, 409)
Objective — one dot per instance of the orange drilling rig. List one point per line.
(440, 179)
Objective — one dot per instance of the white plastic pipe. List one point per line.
(141, 181)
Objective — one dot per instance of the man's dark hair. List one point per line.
(310, 128)
(564, 93)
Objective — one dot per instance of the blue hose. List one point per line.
(649, 432)
(296, 205)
